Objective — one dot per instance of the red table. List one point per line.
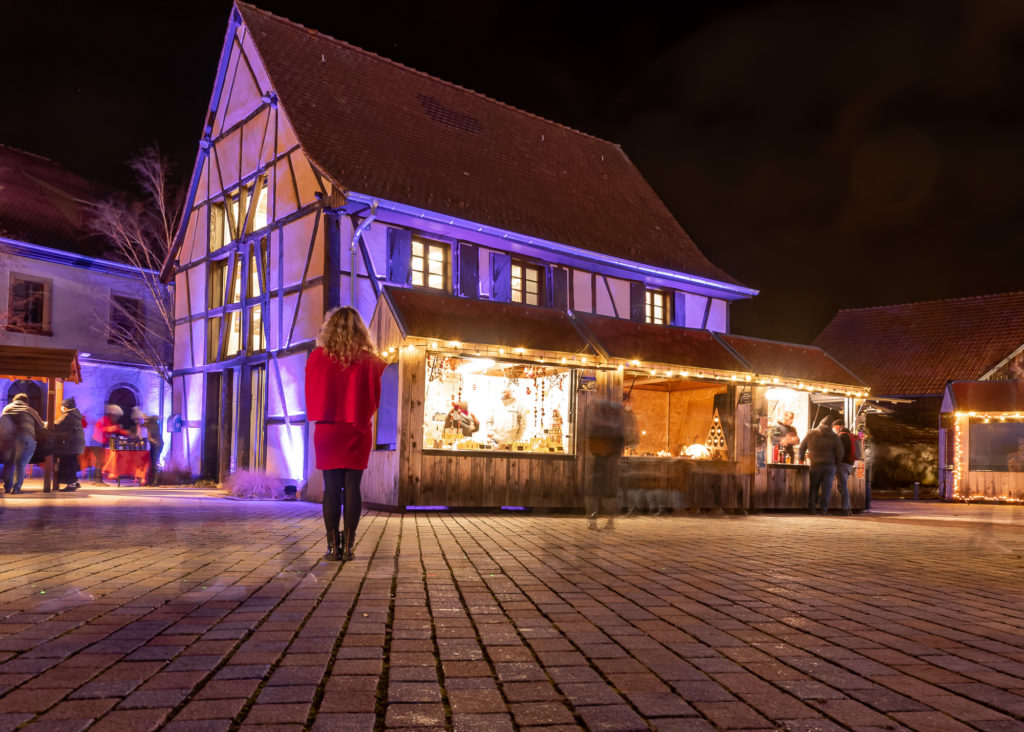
(132, 463)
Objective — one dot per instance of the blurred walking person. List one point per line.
(69, 443)
(24, 425)
(156, 445)
(605, 435)
(342, 394)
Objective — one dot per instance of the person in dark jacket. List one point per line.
(156, 445)
(69, 438)
(845, 466)
(825, 452)
(24, 424)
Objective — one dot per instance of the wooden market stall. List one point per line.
(691, 392)
(54, 366)
(807, 382)
(981, 440)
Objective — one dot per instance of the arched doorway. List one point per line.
(36, 396)
(125, 398)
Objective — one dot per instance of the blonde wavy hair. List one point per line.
(344, 335)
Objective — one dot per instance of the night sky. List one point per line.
(831, 154)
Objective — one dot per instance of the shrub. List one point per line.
(173, 473)
(254, 485)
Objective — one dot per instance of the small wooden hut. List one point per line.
(53, 366)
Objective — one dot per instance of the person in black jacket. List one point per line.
(23, 424)
(845, 466)
(69, 441)
(825, 451)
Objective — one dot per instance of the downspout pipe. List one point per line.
(352, 249)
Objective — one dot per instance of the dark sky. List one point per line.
(831, 154)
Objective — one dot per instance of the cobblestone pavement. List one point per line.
(125, 610)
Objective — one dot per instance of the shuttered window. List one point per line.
(429, 264)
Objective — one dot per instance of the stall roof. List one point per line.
(789, 360)
(27, 362)
(984, 396)
(445, 318)
(627, 339)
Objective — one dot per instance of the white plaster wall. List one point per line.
(80, 305)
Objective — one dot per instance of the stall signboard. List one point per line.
(483, 404)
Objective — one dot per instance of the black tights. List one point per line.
(341, 485)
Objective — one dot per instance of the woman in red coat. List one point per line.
(342, 394)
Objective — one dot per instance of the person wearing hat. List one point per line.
(69, 439)
(24, 425)
(108, 425)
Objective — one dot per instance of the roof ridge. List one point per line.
(404, 67)
(931, 302)
(45, 159)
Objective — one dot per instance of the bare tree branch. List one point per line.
(139, 234)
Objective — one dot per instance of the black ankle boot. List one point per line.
(334, 553)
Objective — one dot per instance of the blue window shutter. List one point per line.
(501, 277)
(679, 309)
(469, 270)
(560, 288)
(387, 413)
(637, 302)
(399, 256)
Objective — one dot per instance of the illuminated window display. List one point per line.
(783, 423)
(681, 419)
(480, 404)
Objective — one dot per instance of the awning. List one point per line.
(789, 360)
(438, 317)
(27, 362)
(984, 396)
(616, 338)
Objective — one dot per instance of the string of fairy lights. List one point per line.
(458, 349)
(962, 419)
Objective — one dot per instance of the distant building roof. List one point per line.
(383, 129)
(44, 204)
(914, 349)
(984, 396)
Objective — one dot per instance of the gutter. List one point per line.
(352, 249)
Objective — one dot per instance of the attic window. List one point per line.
(447, 116)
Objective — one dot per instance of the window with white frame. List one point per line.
(231, 218)
(657, 308)
(429, 264)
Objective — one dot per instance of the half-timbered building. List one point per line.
(490, 250)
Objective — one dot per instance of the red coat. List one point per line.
(342, 401)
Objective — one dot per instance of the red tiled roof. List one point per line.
(383, 129)
(790, 360)
(42, 203)
(448, 318)
(914, 349)
(665, 344)
(987, 396)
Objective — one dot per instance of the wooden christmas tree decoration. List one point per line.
(716, 438)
